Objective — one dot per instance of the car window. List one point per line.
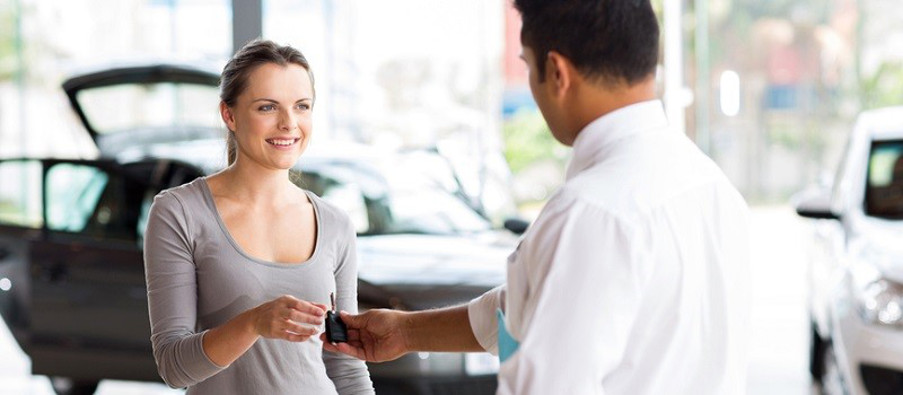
(421, 198)
(884, 188)
(89, 201)
(20, 193)
(73, 192)
(432, 211)
(407, 202)
(126, 107)
(349, 198)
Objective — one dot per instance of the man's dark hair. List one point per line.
(613, 41)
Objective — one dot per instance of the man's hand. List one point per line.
(375, 336)
(383, 335)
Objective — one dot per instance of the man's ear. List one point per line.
(226, 113)
(560, 73)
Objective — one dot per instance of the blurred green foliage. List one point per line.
(7, 41)
(528, 139)
(884, 87)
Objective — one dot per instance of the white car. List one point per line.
(856, 268)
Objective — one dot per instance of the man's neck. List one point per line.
(594, 101)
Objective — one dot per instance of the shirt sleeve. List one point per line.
(349, 375)
(584, 286)
(483, 321)
(172, 296)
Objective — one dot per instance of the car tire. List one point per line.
(67, 386)
(817, 348)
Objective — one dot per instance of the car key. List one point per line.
(336, 331)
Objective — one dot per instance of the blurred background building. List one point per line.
(768, 89)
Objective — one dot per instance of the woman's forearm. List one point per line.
(225, 343)
(285, 317)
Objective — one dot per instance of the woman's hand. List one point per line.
(288, 318)
(284, 318)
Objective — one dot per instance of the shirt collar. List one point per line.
(611, 127)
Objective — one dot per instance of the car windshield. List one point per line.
(400, 197)
(884, 189)
(124, 107)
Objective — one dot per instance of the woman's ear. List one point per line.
(226, 113)
(559, 72)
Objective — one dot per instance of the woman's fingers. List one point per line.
(294, 329)
(291, 319)
(293, 337)
(315, 309)
(307, 318)
(301, 329)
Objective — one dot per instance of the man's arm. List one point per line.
(442, 330)
(383, 335)
(575, 324)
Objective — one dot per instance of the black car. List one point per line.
(72, 285)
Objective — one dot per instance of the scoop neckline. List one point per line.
(208, 196)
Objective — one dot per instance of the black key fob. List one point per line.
(336, 331)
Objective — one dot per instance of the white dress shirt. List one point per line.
(634, 277)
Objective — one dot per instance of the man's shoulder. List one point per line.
(644, 175)
(582, 200)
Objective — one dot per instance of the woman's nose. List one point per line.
(287, 121)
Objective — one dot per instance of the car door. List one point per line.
(21, 220)
(830, 238)
(88, 311)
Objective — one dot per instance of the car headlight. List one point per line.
(881, 303)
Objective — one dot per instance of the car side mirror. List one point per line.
(516, 225)
(815, 204)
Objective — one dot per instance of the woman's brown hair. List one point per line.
(234, 79)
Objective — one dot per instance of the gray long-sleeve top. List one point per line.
(198, 277)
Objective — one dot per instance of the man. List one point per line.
(632, 280)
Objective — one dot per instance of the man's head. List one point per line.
(615, 41)
(607, 46)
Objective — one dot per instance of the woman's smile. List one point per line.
(283, 143)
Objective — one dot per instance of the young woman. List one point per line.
(241, 264)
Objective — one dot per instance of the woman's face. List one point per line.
(272, 117)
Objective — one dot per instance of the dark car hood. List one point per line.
(425, 271)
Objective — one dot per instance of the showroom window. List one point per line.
(20, 193)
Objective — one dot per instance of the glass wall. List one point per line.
(773, 87)
(42, 43)
(778, 85)
(772, 90)
(406, 74)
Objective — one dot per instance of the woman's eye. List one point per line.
(268, 107)
(303, 106)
